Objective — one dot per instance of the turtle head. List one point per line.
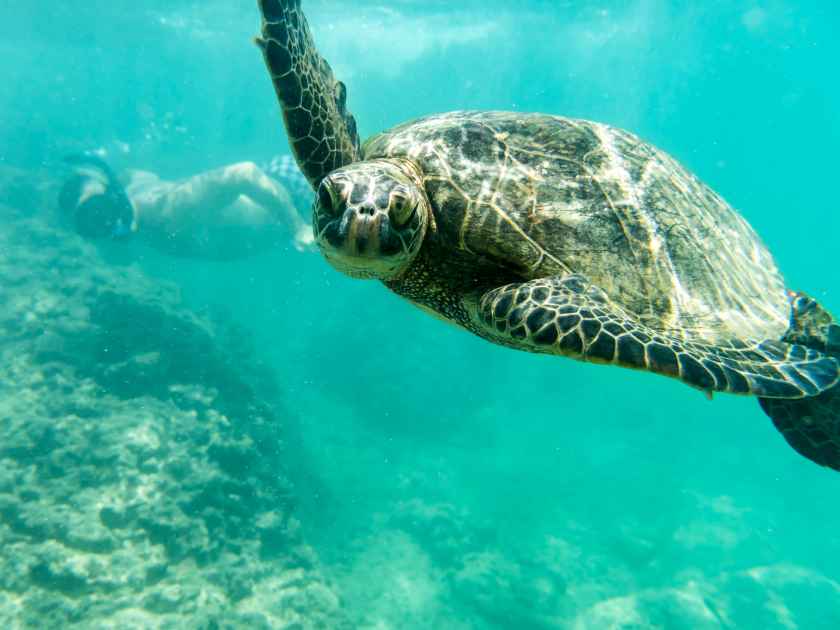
(370, 217)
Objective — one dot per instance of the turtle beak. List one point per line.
(360, 230)
(361, 243)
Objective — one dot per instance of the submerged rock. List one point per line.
(778, 596)
(142, 478)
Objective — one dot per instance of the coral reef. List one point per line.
(566, 581)
(142, 478)
(426, 552)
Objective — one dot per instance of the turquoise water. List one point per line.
(445, 482)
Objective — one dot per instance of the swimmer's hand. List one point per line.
(304, 239)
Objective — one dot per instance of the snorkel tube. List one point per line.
(109, 214)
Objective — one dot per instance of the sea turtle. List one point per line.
(559, 236)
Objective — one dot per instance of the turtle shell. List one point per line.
(546, 195)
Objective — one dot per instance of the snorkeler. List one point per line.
(223, 214)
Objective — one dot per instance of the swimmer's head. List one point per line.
(96, 206)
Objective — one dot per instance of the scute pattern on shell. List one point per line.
(546, 195)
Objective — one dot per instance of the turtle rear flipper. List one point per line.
(569, 316)
(321, 131)
(811, 425)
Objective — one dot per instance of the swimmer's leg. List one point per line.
(271, 195)
(221, 187)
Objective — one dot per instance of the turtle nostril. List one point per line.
(367, 210)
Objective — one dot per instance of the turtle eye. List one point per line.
(325, 199)
(402, 209)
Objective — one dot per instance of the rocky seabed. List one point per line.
(142, 479)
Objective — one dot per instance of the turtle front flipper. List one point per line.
(569, 316)
(321, 131)
(811, 425)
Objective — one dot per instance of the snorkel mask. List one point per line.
(96, 202)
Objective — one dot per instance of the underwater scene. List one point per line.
(217, 413)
